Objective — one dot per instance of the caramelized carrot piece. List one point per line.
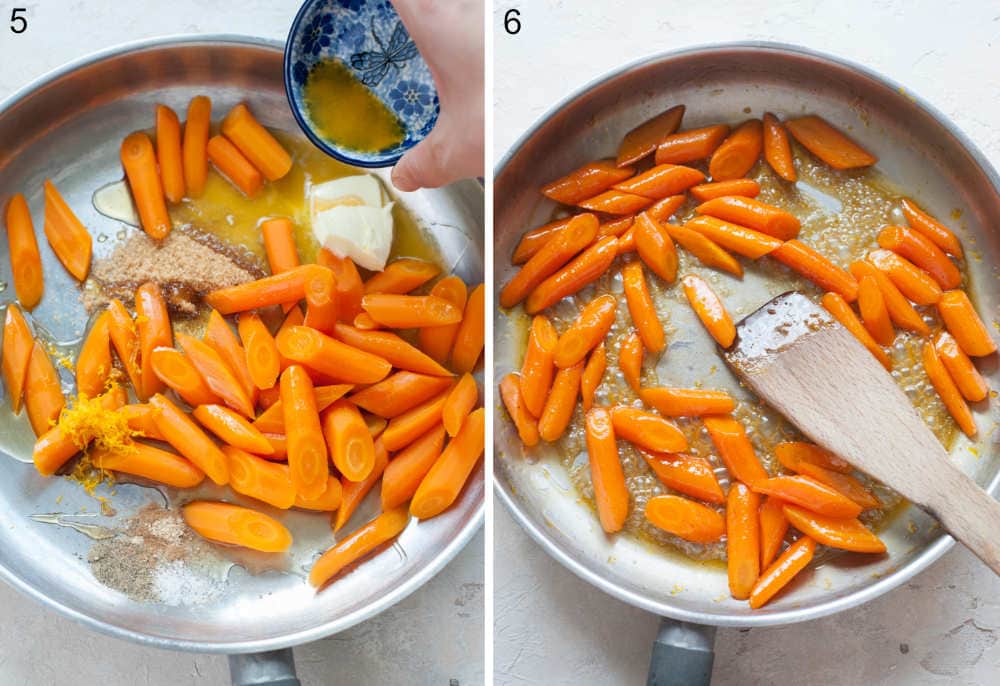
(236, 525)
(232, 429)
(254, 141)
(400, 392)
(746, 188)
(279, 244)
(685, 518)
(829, 144)
(153, 326)
(773, 527)
(799, 257)
(533, 241)
(330, 501)
(912, 281)
(93, 364)
(222, 340)
(736, 155)
(410, 311)
(808, 493)
(460, 402)
(351, 446)
(513, 399)
(585, 268)
(471, 336)
(742, 540)
(901, 312)
(655, 248)
(407, 427)
(43, 398)
(437, 341)
(307, 452)
(558, 410)
(753, 214)
(189, 440)
(578, 234)
(262, 357)
(330, 357)
(710, 310)
(587, 330)
(687, 402)
(843, 313)
(922, 252)
(932, 229)
(217, 374)
(874, 313)
(610, 493)
(845, 484)
(390, 348)
(68, 237)
(962, 322)
(538, 367)
(661, 181)
(965, 375)
(402, 276)
(691, 145)
(25, 260)
(687, 474)
(449, 473)
(641, 141)
(125, 340)
(358, 545)
(261, 479)
(705, 249)
(586, 181)
(948, 391)
(18, 343)
(593, 372)
(660, 211)
(194, 149)
(150, 463)
(175, 370)
(845, 534)
(735, 449)
(796, 558)
(647, 430)
(350, 289)
(139, 161)
(630, 355)
(735, 238)
(272, 420)
(407, 469)
(233, 165)
(616, 202)
(642, 309)
(777, 150)
(792, 454)
(168, 153)
(278, 289)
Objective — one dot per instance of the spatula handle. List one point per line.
(969, 514)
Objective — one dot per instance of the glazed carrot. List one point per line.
(647, 430)
(25, 260)
(278, 289)
(262, 358)
(153, 326)
(912, 281)
(874, 313)
(168, 153)
(364, 322)
(901, 312)
(641, 308)
(687, 402)
(660, 211)
(792, 454)
(533, 241)
(93, 364)
(351, 446)
(829, 144)
(593, 372)
(587, 330)
(965, 375)
(402, 276)
(233, 165)
(400, 392)
(796, 558)
(268, 397)
(736, 155)
(217, 374)
(843, 313)
(742, 540)
(705, 249)
(922, 252)
(410, 311)
(279, 244)
(661, 181)
(139, 160)
(687, 474)
(578, 234)
(644, 139)
(752, 214)
(221, 338)
(471, 335)
(330, 501)
(559, 406)
(55, 447)
(442, 484)
(746, 188)
(586, 181)
(254, 141)
(140, 419)
(616, 202)
(272, 420)
(538, 367)
(321, 301)
(407, 469)
(799, 257)
(236, 525)
(355, 491)
(710, 310)
(932, 229)
(437, 341)
(391, 348)
(68, 237)
(735, 238)
(685, 518)
(513, 400)
(175, 370)
(150, 463)
(777, 150)
(43, 398)
(691, 145)
(585, 268)
(735, 449)
(962, 322)
(655, 248)
(460, 402)
(280, 444)
(18, 343)
(330, 357)
(403, 429)
(845, 534)
(125, 339)
(626, 243)
(845, 484)
(194, 152)
(630, 354)
(307, 451)
(950, 395)
(362, 542)
(232, 429)
(189, 440)
(610, 493)
(349, 285)
(260, 479)
(808, 493)
(773, 527)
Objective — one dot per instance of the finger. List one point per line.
(426, 165)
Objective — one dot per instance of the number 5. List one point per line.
(18, 23)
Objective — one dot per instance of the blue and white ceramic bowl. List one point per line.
(368, 37)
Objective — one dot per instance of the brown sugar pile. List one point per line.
(186, 265)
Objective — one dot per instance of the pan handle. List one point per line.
(682, 654)
(272, 668)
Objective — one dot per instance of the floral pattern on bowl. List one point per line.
(368, 37)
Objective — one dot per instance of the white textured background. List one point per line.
(432, 637)
(942, 628)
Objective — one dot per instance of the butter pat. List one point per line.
(350, 219)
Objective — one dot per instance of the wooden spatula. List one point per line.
(804, 364)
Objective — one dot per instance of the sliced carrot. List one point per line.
(437, 341)
(400, 392)
(139, 160)
(874, 313)
(402, 276)
(630, 356)
(845, 484)
(962, 322)
(735, 449)
(587, 330)
(901, 312)
(687, 474)
(140, 419)
(359, 544)
(922, 252)
(687, 402)
(217, 374)
(912, 281)
(350, 288)
(262, 357)
(777, 150)
(390, 348)
(152, 323)
(351, 446)
(593, 372)
(220, 337)
(829, 144)
(778, 575)
(364, 322)
(685, 518)
(705, 249)
(150, 463)
(18, 343)
(321, 301)
(773, 527)
(660, 211)
(738, 239)
(410, 311)
(261, 479)
(845, 534)
(68, 237)
(307, 451)
(806, 492)
(25, 260)
(655, 248)
(691, 145)
(446, 478)
(616, 202)
(941, 235)
(792, 454)
(236, 525)
(194, 148)
(626, 243)
(407, 427)
(330, 501)
(407, 469)
(799, 257)
(610, 492)
(642, 309)
(736, 155)
(586, 181)
(43, 398)
(513, 400)
(950, 395)
(559, 406)
(175, 370)
(278, 289)
(710, 310)
(460, 402)
(55, 447)
(584, 269)
(661, 181)
(234, 165)
(641, 141)
(272, 420)
(533, 241)
(353, 492)
(268, 397)
(254, 141)
(742, 540)
(965, 375)
(168, 153)
(279, 244)
(93, 364)
(538, 367)
(842, 312)
(329, 356)
(647, 430)
(189, 440)
(746, 188)
(471, 335)
(232, 429)
(753, 214)
(125, 340)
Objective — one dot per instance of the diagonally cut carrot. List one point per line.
(647, 430)
(805, 260)
(175, 370)
(705, 249)
(278, 289)
(792, 454)
(687, 402)
(773, 527)
(844, 484)
(329, 356)
(593, 372)
(845, 534)
(584, 269)
(254, 141)
(735, 449)
(874, 312)
(272, 420)
(168, 153)
(390, 348)
(236, 525)
(829, 144)
(962, 322)
(688, 474)
(685, 518)
(321, 301)
(735, 238)
(948, 391)
(931, 228)
(330, 501)
(139, 161)
(777, 150)
(460, 402)
(440, 487)
(93, 364)
(742, 540)
(354, 492)
(262, 357)
(691, 145)
(587, 330)
(400, 392)
(307, 451)
(662, 181)
(279, 244)
(586, 181)
(125, 340)
(194, 153)
(232, 429)
(558, 410)
(630, 356)
(655, 248)
(402, 276)
(351, 446)
(359, 544)
(43, 397)
(18, 342)
(660, 211)
(961, 369)
(233, 165)
(407, 468)
(532, 241)
(710, 310)
(912, 281)
(153, 326)
(796, 558)
(753, 214)
(189, 440)
(922, 252)
(746, 188)
(350, 289)
(808, 493)
(736, 155)
(610, 493)
(843, 313)
(642, 141)
(513, 400)
(642, 309)
(266, 481)
(538, 366)
(471, 335)
(437, 341)
(68, 237)
(217, 374)
(407, 427)
(221, 338)
(55, 447)
(150, 463)
(25, 260)
(410, 311)
(901, 312)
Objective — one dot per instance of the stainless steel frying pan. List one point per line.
(920, 151)
(68, 126)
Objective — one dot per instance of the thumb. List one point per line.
(426, 164)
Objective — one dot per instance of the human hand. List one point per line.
(449, 36)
